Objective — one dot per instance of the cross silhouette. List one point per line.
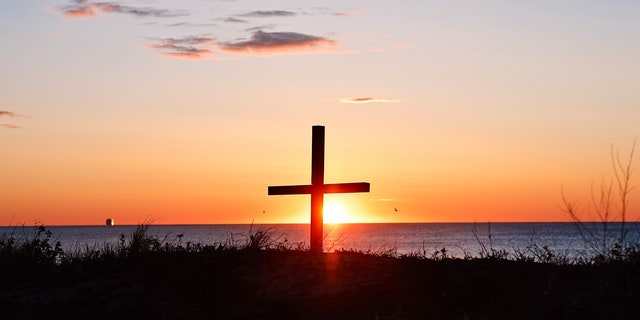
(317, 188)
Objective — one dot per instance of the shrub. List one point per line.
(31, 249)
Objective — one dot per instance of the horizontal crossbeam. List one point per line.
(326, 188)
(282, 190)
(346, 187)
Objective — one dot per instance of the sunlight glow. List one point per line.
(335, 213)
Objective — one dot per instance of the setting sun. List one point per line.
(335, 212)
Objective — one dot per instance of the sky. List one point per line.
(183, 112)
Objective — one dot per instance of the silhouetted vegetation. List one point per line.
(609, 203)
(37, 248)
(262, 276)
(29, 249)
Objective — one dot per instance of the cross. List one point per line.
(317, 188)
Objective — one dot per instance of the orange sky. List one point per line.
(185, 111)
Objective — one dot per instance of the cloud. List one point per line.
(367, 100)
(9, 114)
(194, 47)
(81, 8)
(261, 43)
(190, 48)
(262, 27)
(266, 14)
(279, 42)
(345, 13)
(186, 24)
(351, 12)
(86, 8)
(234, 20)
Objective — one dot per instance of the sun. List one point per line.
(335, 213)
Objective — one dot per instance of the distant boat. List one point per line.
(110, 222)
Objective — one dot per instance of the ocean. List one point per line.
(457, 239)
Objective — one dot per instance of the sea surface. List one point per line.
(457, 239)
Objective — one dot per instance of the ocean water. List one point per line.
(402, 238)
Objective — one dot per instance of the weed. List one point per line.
(614, 190)
(489, 253)
(261, 239)
(31, 249)
(440, 255)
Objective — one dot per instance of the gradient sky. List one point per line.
(185, 111)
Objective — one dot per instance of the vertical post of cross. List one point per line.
(317, 181)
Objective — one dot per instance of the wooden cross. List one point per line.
(317, 188)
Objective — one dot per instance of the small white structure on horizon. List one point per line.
(110, 222)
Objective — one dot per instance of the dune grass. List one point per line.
(25, 248)
(263, 277)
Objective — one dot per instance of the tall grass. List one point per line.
(37, 248)
(142, 242)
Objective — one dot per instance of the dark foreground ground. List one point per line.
(299, 285)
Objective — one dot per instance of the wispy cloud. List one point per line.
(186, 24)
(279, 42)
(367, 100)
(351, 12)
(9, 114)
(269, 13)
(194, 47)
(190, 48)
(260, 43)
(80, 8)
(343, 13)
(86, 8)
(234, 20)
(262, 27)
